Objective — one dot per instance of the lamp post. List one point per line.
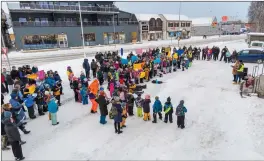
(179, 23)
(80, 12)
(114, 29)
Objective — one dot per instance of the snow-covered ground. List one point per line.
(132, 47)
(219, 123)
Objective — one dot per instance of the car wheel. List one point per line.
(259, 61)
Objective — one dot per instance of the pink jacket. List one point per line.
(111, 87)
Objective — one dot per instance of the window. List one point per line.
(188, 24)
(176, 24)
(255, 52)
(22, 20)
(143, 23)
(170, 24)
(256, 44)
(244, 52)
(89, 37)
(64, 3)
(182, 24)
(44, 21)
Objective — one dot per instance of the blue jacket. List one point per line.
(157, 106)
(181, 110)
(86, 65)
(19, 113)
(50, 81)
(57, 78)
(52, 106)
(84, 92)
(29, 101)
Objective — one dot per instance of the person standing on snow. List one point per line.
(94, 68)
(223, 54)
(13, 135)
(86, 67)
(157, 109)
(101, 100)
(168, 109)
(180, 112)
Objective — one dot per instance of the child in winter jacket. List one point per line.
(180, 112)
(84, 95)
(130, 104)
(94, 103)
(53, 109)
(40, 102)
(57, 92)
(111, 87)
(29, 103)
(146, 108)
(157, 109)
(139, 102)
(124, 115)
(168, 109)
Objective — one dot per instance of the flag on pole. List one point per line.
(214, 22)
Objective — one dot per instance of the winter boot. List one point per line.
(119, 131)
(5, 148)
(25, 131)
(22, 142)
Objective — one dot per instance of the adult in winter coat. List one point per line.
(3, 133)
(234, 70)
(168, 109)
(157, 109)
(4, 88)
(101, 100)
(180, 112)
(94, 68)
(10, 82)
(17, 110)
(14, 73)
(13, 135)
(223, 54)
(86, 67)
(117, 113)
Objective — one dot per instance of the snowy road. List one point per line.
(42, 58)
(219, 124)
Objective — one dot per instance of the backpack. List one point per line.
(179, 110)
(113, 112)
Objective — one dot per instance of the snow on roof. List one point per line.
(173, 17)
(146, 17)
(256, 33)
(203, 21)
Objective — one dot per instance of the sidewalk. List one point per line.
(146, 44)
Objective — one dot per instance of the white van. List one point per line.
(256, 44)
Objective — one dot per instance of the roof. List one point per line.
(172, 17)
(146, 17)
(256, 33)
(203, 21)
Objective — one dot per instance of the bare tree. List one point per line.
(256, 15)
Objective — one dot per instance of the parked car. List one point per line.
(257, 44)
(251, 55)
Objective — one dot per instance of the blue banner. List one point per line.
(180, 52)
(124, 61)
(122, 51)
(134, 58)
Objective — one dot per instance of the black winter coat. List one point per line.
(9, 80)
(14, 74)
(146, 106)
(102, 105)
(12, 132)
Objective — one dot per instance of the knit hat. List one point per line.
(182, 102)
(157, 97)
(102, 93)
(46, 93)
(147, 96)
(168, 99)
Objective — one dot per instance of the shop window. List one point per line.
(176, 24)
(89, 37)
(170, 24)
(188, 24)
(182, 24)
(40, 41)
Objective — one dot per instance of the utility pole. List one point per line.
(179, 24)
(80, 12)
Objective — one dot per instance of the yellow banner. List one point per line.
(167, 49)
(138, 66)
(32, 76)
(142, 74)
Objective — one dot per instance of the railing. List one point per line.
(67, 8)
(71, 23)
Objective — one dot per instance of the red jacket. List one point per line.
(2, 78)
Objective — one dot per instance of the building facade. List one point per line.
(203, 26)
(5, 39)
(41, 25)
(150, 27)
(175, 24)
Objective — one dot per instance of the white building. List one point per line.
(150, 27)
(175, 23)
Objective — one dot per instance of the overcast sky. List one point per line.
(190, 9)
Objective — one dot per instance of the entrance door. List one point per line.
(63, 41)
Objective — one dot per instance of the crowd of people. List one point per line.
(28, 87)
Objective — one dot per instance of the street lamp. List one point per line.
(80, 12)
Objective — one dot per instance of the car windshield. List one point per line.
(257, 44)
